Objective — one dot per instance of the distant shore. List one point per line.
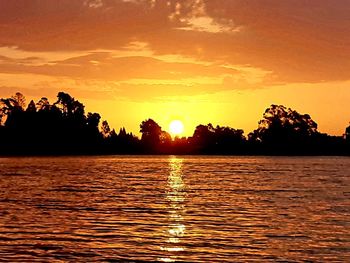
(63, 128)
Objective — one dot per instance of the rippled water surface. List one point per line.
(175, 209)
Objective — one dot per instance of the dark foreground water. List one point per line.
(166, 209)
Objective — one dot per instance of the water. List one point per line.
(175, 209)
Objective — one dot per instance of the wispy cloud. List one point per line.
(207, 24)
(94, 3)
(194, 17)
(301, 41)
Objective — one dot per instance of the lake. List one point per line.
(175, 209)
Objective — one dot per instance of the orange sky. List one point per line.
(199, 61)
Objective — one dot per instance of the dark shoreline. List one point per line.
(63, 128)
(167, 154)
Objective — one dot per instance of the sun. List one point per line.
(176, 127)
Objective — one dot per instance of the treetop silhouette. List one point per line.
(64, 128)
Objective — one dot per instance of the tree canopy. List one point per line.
(63, 127)
(284, 126)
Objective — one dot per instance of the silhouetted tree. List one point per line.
(14, 104)
(153, 138)
(347, 133)
(64, 128)
(4, 110)
(93, 119)
(122, 133)
(43, 104)
(203, 138)
(284, 129)
(65, 103)
(229, 140)
(127, 142)
(19, 100)
(217, 140)
(2, 116)
(13, 109)
(347, 140)
(151, 133)
(31, 107)
(92, 131)
(165, 142)
(182, 146)
(105, 129)
(58, 128)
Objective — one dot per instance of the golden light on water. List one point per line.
(176, 197)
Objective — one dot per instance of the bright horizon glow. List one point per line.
(176, 127)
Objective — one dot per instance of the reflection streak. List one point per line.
(176, 197)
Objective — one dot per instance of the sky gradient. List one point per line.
(222, 61)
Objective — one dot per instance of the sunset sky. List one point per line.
(199, 61)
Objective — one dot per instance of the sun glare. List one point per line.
(176, 127)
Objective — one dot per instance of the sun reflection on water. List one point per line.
(176, 197)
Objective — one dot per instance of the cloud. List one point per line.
(94, 3)
(193, 16)
(298, 41)
(207, 24)
(106, 66)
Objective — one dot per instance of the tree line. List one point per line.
(63, 128)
